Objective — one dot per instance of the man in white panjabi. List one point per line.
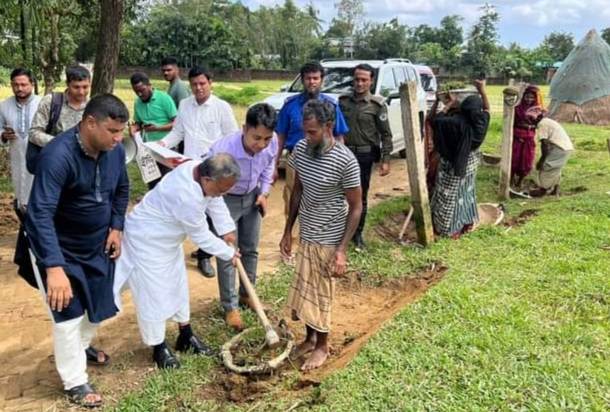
(202, 120)
(152, 261)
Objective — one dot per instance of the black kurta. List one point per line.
(75, 201)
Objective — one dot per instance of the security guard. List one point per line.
(369, 136)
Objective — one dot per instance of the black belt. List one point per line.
(361, 149)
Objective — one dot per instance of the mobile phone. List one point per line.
(261, 210)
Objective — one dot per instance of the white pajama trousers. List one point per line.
(153, 332)
(70, 339)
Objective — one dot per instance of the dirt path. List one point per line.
(28, 380)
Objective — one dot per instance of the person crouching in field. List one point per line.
(153, 259)
(327, 198)
(457, 138)
(556, 148)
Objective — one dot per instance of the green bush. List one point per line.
(5, 76)
(242, 97)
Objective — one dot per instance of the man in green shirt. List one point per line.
(154, 110)
(178, 89)
(154, 114)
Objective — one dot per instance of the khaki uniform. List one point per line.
(369, 138)
(367, 119)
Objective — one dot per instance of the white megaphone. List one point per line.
(131, 149)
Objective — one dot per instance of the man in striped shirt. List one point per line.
(327, 198)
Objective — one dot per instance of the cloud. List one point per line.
(524, 21)
(544, 13)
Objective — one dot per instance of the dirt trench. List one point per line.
(28, 380)
(361, 307)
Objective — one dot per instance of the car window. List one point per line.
(297, 85)
(388, 84)
(337, 80)
(428, 82)
(411, 74)
(399, 75)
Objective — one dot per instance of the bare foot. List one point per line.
(303, 349)
(315, 360)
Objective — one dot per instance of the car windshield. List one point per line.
(337, 80)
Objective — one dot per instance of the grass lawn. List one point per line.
(521, 320)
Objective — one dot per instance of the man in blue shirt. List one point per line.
(74, 223)
(289, 127)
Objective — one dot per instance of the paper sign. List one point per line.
(146, 162)
(165, 156)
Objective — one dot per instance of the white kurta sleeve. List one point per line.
(228, 124)
(176, 135)
(196, 226)
(218, 211)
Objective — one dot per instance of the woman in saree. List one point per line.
(457, 138)
(524, 137)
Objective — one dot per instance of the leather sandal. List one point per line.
(93, 357)
(78, 396)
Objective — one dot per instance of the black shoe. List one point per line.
(193, 343)
(205, 267)
(165, 359)
(358, 242)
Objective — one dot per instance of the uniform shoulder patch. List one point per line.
(378, 99)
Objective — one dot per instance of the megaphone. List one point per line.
(131, 149)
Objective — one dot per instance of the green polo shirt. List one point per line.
(158, 110)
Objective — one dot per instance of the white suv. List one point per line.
(390, 74)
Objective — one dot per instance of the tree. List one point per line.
(423, 34)
(382, 41)
(450, 35)
(107, 54)
(351, 12)
(606, 35)
(558, 44)
(482, 42)
(431, 54)
(517, 62)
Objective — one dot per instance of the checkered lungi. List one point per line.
(454, 201)
(312, 290)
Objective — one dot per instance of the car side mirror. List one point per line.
(392, 96)
(284, 88)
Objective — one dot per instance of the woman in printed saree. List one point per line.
(457, 139)
(524, 134)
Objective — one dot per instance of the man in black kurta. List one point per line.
(74, 223)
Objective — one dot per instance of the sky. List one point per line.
(522, 21)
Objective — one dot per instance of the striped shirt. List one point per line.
(323, 209)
